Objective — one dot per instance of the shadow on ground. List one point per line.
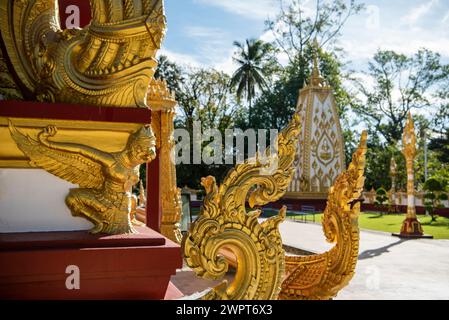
(368, 254)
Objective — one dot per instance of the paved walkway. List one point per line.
(388, 267)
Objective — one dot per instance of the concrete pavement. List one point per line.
(388, 267)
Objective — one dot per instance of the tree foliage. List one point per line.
(256, 63)
(434, 195)
(294, 27)
(400, 84)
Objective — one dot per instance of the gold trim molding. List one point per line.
(107, 136)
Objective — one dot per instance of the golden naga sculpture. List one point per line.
(322, 276)
(109, 63)
(224, 223)
(105, 179)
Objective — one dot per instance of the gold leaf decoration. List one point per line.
(109, 63)
(225, 223)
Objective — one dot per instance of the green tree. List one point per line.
(170, 72)
(293, 33)
(440, 144)
(255, 61)
(434, 195)
(401, 84)
(294, 30)
(378, 159)
(204, 96)
(381, 199)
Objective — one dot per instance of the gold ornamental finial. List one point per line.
(411, 227)
(409, 137)
(393, 167)
(160, 97)
(316, 79)
(142, 197)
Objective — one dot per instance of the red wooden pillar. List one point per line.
(153, 206)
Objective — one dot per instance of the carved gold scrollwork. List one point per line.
(322, 276)
(109, 63)
(224, 223)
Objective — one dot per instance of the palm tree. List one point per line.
(252, 57)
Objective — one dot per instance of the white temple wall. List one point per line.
(400, 198)
(34, 200)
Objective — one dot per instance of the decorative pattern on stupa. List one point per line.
(321, 148)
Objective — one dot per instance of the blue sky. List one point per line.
(201, 32)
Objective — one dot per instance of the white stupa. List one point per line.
(321, 148)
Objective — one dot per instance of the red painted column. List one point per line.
(154, 212)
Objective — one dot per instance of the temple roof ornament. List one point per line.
(160, 96)
(316, 80)
(108, 63)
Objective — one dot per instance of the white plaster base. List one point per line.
(33, 200)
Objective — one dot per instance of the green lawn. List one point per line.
(386, 223)
(393, 222)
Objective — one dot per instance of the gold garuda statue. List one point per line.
(109, 63)
(105, 179)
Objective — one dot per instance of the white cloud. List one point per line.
(225, 63)
(212, 46)
(204, 32)
(418, 12)
(181, 58)
(361, 48)
(445, 18)
(361, 42)
(253, 9)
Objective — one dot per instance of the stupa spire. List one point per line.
(316, 79)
